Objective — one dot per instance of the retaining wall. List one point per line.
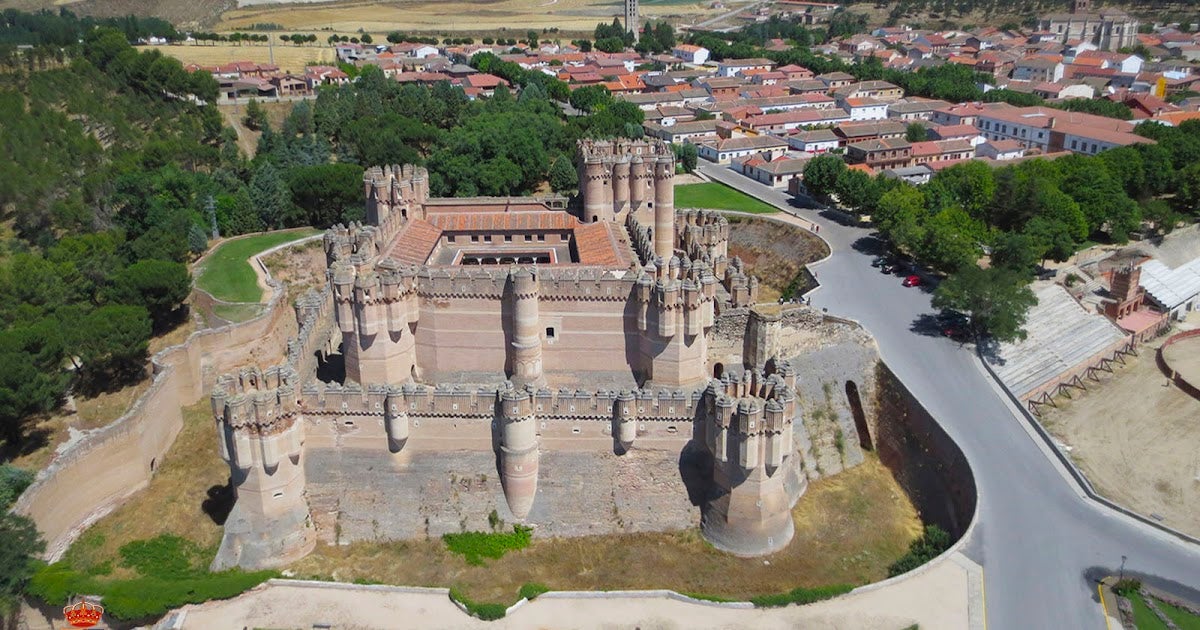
(1192, 389)
(94, 474)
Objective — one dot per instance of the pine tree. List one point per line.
(271, 196)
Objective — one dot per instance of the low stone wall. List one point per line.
(90, 477)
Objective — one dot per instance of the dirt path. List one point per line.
(247, 140)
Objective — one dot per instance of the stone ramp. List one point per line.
(1061, 336)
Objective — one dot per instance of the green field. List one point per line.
(1182, 618)
(1143, 617)
(227, 274)
(718, 197)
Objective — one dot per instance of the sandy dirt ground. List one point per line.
(1137, 440)
(1184, 357)
(935, 599)
(458, 15)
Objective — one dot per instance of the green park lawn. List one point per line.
(718, 197)
(227, 274)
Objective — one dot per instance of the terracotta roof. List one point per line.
(461, 220)
(597, 244)
(415, 242)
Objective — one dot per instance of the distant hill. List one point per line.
(182, 13)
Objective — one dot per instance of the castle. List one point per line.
(511, 329)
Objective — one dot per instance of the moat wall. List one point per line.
(94, 474)
(928, 464)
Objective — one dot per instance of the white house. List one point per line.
(816, 141)
(864, 108)
(690, 54)
(416, 50)
(1000, 150)
(1038, 69)
(731, 67)
(723, 151)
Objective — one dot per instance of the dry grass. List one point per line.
(299, 268)
(773, 251)
(458, 16)
(91, 413)
(172, 503)
(849, 528)
(288, 57)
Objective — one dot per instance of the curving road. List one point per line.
(1041, 542)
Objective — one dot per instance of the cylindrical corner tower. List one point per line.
(526, 349)
(518, 451)
(664, 207)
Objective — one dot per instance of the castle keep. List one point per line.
(499, 334)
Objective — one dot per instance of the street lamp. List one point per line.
(1121, 571)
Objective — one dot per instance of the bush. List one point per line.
(13, 482)
(531, 590)
(486, 612)
(1127, 586)
(801, 596)
(930, 545)
(475, 546)
(141, 598)
(172, 572)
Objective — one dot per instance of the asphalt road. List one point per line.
(1041, 542)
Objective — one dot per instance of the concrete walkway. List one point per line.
(941, 597)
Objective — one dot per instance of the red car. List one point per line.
(912, 281)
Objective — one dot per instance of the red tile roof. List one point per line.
(415, 242)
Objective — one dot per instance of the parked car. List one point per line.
(954, 325)
(879, 261)
(912, 281)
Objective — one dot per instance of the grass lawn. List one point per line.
(718, 197)
(1143, 617)
(227, 274)
(1182, 618)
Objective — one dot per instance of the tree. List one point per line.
(951, 240)
(112, 344)
(590, 98)
(995, 300)
(856, 190)
(270, 195)
(1015, 251)
(158, 286)
(900, 216)
(916, 132)
(31, 377)
(256, 116)
(687, 155)
(328, 193)
(20, 546)
(821, 174)
(970, 186)
(366, 38)
(563, 177)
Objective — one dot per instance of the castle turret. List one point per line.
(664, 206)
(395, 419)
(525, 352)
(518, 451)
(625, 414)
(756, 474)
(261, 433)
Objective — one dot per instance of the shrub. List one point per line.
(486, 612)
(141, 598)
(475, 546)
(13, 482)
(530, 590)
(708, 598)
(801, 596)
(165, 557)
(1127, 586)
(930, 545)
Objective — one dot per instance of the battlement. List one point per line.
(395, 190)
(623, 149)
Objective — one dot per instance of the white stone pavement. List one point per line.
(947, 595)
